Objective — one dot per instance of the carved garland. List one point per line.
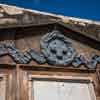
(56, 49)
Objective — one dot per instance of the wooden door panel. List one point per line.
(73, 90)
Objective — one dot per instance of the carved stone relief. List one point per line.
(91, 63)
(56, 49)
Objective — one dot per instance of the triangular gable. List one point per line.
(11, 16)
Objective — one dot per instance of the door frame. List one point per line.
(8, 73)
(27, 72)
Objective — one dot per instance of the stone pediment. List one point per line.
(42, 38)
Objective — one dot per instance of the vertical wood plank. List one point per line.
(3, 88)
(18, 89)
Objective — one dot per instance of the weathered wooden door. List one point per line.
(43, 84)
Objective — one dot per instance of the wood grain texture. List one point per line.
(17, 17)
(7, 90)
(18, 80)
(3, 90)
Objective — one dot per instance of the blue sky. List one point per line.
(88, 9)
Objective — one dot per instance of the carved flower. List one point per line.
(57, 49)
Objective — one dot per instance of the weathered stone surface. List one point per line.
(57, 49)
(89, 63)
(20, 57)
(38, 57)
